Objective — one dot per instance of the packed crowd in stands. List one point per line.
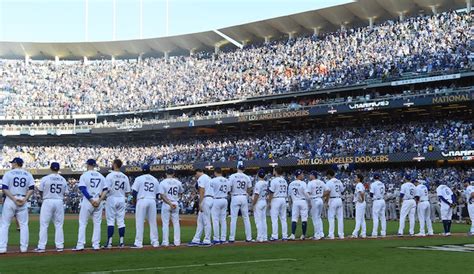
(423, 44)
(439, 135)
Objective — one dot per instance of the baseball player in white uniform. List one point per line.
(447, 201)
(408, 206)
(52, 189)
(469, 195)
(170, 191)
(299, 204)
(118, 185)
(423, 208)
(259, 204)
(18, 186)
(145, 190)
(359, 200)
(315, 190)
(94, 189)
(333, 196)
(221, 187)
(377, 193)
(278, 192)
(240, 186)
(206, 199)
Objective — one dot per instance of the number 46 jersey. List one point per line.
(53, 186)
(118, 184)
(171, 188)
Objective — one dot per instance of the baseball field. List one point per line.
(388, 255)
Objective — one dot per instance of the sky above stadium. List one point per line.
(63, 21)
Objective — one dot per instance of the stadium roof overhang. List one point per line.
(354, 14)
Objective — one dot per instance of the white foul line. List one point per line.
(192, 265)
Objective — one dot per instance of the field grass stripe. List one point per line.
(193, 265)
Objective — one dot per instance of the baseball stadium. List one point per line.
(337, 139)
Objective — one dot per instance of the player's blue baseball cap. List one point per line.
(55, 166)
(261, 173)
(314, 173)
(146, 168)
(169, 171)
(241, 167)
(376, 175)
(17, 160)
(407, 177)
(91, 162)
(298, 172)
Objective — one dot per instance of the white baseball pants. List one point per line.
(278, 210)
(424, 217)
(446, 212)
(336, 211)
(219, 222)
(299, 209)
(316, 210)
(360, 220)
(260, 215)
(470, 209)
(89, 211)
(166, 213)
(239, 202)
(378, 214)
(115, 211)
(51, 209)
(9, 210)
(146, 209)
(408, 209)
(204, 222)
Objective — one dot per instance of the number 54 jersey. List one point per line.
(53, 186)
(171, 188)
(118, 184)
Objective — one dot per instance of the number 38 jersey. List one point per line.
(221, 187)
(18, 181)
(146, 187)
(94, 182)
(239, 183)
(118, 184)
(171, 188)
(53, 186)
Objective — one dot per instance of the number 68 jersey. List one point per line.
(18, 181)
(53, 186)
(171, 188)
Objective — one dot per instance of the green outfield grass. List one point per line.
(348, 256)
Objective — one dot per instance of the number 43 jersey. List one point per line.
(118, 184)
(171, 188)
(221, 187)
(53, 186)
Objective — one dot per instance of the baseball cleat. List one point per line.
(136, 247)
(193, 244)
(292, 237)
(59, 249)
(216, 242)
(78, 249)
(155, 245)
(330, 238)
(231, 241)
(447, 234)
(39, 250)
(302, 237)
(363, 236)
(284, 239)
(420, 235)
(400, 235)
(250, 241)
(205, 245)
(469, 234)
(354, 236)
(316, 238)
(122, 245)
(273, 239)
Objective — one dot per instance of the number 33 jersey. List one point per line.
(239, 183)
(118, 184)
(171, 188)
(53, 186)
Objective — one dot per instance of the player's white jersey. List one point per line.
(297, 189)
(53, 186)
(377, 189)
(261, 188)
(171, 188)
(205, 182)
(279, 187)
(118, 184)
(445, 192)
(335, 187)
(316, 188)
(408, 191)
(94, 182)
(221, 187)
(422, 192)
(359, 190)
(146, 187)
(468, 193)
(240, 183)
(18, 181)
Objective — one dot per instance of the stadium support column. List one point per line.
(217, 49)
(434, 10)
(56, 60)
(267, 39)
(371, 22)
(291, 35)
(401, 16)
(468, 6)
(167, 55)
(27, 59)
(85, 60)
(316, 32)
(113, 60)
(191, 52)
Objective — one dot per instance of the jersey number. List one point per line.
(149, 187)
(319, 190)
(119, 185)
(337, 189)
(283, 189)
(19, 182)
(223, 188)
(295, 191)
(173, 191)
(412, 192)
(53, 188)
(241, 185)
(95, 182)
